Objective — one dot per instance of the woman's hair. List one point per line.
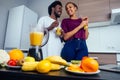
(72, 4)
(54, 4)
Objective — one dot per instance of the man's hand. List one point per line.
(53, 25)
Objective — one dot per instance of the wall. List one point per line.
(5, 5)
(104, 39)
(40, 6)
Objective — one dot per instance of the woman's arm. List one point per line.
(67, 35)
(86, 27)
(86, 33)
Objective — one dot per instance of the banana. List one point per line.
(57, 60)
(29, 66)
(55, 66)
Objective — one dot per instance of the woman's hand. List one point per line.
(86, 27)
(84, 21)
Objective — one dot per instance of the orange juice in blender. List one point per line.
(36, 38)
(36, 42)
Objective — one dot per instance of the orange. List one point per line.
(89, 65)
(85, 57)
(16, 54)
(44, 66)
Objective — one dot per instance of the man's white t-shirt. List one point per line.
(54, 45)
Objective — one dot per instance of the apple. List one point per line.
(12, 62)
(29, 59)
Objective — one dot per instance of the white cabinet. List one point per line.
(17, 33)
(118, 57)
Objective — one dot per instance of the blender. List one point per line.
(38, 38)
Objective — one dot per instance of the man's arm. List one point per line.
(53, 25)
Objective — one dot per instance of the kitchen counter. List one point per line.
(55, 75)
(107, 52)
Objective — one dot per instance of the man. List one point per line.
(54, 45)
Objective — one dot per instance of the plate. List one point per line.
(13, 67)
(82, 73)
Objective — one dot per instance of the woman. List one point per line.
(75, 34)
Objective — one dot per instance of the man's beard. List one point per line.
(57, 15)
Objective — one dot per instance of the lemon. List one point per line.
(85, 27)
(44, 66)
(29, 59)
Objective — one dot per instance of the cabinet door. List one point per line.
(96, 10)
(12, 38)
(105, 58)
(114, 4)
(29, 18)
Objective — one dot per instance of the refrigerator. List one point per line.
(17, 33)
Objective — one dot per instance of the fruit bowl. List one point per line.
(13, 67)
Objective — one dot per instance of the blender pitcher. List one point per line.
(36, 42)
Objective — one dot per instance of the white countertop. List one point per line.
(104, 52)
